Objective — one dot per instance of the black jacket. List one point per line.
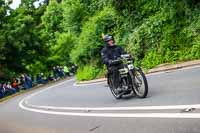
(109, 53)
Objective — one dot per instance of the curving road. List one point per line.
(172, 106)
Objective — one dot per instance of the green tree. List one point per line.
(21, 38)
(52, 19)
(61, 51)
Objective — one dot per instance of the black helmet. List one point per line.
(107, 38)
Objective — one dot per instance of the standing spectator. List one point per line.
(51, 76)
(62, 73)
(25, 81)
(8, 89)
(2, 91)
(28, 81)
(66, 70)
(14, 85)
(73, 69)
(58, 71)
(55, 73)
(22, 82)
(40, 79)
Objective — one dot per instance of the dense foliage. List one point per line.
(69, 31)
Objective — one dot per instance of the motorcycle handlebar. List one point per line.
(125, 56)
(120, 59)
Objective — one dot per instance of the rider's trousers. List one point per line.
(114, 71)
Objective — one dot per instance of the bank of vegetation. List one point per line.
(69, 32)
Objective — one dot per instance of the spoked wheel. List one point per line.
(114, 91)
(140, 84)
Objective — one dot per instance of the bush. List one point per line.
(152, 59)
(195, 51)
(88, 72)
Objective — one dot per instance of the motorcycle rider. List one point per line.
(109, 54)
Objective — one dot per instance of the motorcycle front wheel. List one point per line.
(139, 81)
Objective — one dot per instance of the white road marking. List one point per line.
(168, 107)
(87, 84)
(117, 115)
(113, 115)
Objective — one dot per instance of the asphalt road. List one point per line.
(172, 106)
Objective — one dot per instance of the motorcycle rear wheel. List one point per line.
(113, 90)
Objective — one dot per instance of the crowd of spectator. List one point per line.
(25, 81)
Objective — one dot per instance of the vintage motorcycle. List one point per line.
(132, 79)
